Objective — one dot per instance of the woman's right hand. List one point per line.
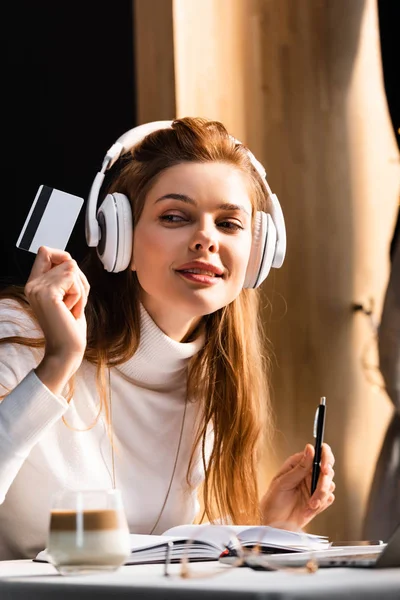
(57, 291)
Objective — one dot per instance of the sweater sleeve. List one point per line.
(28, 408)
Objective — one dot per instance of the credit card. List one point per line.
(50, 220)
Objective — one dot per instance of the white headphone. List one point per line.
(110, 227)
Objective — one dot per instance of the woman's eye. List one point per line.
(230, 225)
(172, 218)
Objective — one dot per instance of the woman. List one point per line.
(155, 381)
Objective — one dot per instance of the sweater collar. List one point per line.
(159, 359)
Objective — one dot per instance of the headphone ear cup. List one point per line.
(262, 251)
(114, 217)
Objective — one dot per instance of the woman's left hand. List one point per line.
(288, 503)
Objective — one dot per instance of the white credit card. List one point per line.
(50, 220)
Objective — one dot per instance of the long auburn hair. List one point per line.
(230, 375)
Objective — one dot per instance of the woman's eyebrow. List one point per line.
(228, 206)
(181, 197)
(188, 200)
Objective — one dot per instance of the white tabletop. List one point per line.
(24, 579)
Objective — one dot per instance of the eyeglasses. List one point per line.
(235, 554)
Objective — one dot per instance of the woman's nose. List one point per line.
(205, 239)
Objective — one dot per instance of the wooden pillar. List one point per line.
(300, 82)
(154, 60)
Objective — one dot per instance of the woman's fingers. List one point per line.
(292, 461)
(46, 259)
(327, 457)
(323, 495)
(79, 307)
(76, 296)
(295, 473)
(85, 283)
(60, 283)
(58, 295)
(296, 469)
(56, 276)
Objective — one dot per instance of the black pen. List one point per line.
(319, 426)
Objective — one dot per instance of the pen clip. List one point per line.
(315, 422)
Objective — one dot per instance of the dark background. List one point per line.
(67, 95)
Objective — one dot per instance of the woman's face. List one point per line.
(192, 243)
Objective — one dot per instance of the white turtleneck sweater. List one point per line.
(41, 454)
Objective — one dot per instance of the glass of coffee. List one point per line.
(88, 532)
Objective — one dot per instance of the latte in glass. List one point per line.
(88, 532)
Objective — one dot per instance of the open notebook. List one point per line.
(207, 542)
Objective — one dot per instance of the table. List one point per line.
(24, 579)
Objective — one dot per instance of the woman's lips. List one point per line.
(200, 276)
